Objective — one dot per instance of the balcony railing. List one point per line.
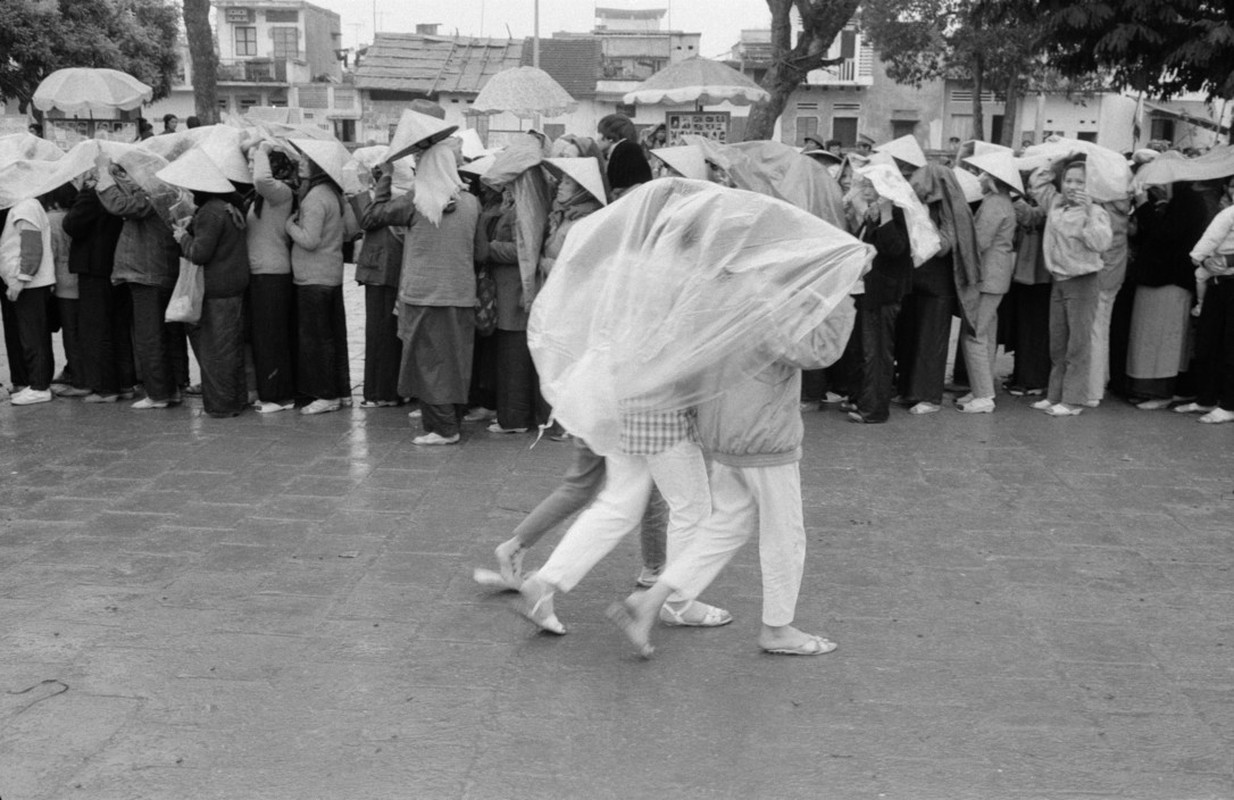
(253, 70)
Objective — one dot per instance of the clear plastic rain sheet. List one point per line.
(677, 293)
(1108, 176)
(1173, 166)
(517, 166)
(922, 235)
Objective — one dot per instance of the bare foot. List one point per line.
(635, 617)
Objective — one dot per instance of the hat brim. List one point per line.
(197, 172)
(583, 171)
(417, 131)
(328, 154)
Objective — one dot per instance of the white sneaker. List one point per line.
(28, 397)
(146, 403)
(320, 406)
(270, 408)
(435, 439)
(414, 414)
(1041, 405)
(978, 405)
(496, 428)
(965, 400)
(479, 414)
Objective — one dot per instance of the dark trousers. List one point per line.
(519, 404)
(1030, 336)
(70, 337)
(383, 350)
(218, 340)
(272, 307)
(443, 419)
(106, 331)
(923, 334)
(1214, 346)
(158, 347)
(321, 365)
(878, 331)
(27, 337)
(482, 389)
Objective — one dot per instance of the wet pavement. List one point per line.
(282, 607)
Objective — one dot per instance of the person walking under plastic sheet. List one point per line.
(753, 435)
(271, 291)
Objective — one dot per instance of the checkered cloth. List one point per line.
(646, 433)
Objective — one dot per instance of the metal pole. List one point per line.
(374, 20)
(535, 39)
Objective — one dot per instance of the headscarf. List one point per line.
(577, 206)
(437, 182)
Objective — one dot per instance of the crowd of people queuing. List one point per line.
(1091, 293)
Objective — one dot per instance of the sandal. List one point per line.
(694, 615)
(536, 605)
(623, 617)
(812, 646)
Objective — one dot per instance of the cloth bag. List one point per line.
(486, 302)
(186, 298)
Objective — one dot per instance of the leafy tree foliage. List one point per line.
(821, 22)
(984, 42)
(38, 37)
(1160, 47)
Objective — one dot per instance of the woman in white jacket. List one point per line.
(1214, 349)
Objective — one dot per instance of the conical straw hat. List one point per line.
(414, 130)
(981, 148)
(1001, 166)
(970, 184)
(687, 159)
(906, 149)
(196, 171)
(823, 155)
(473, 145)
(479, 166)
(328, 154)
(584, 171)
(222, 145)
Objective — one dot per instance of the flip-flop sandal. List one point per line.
(493, 580)
(619, 614)
(545, 621)
(812, 646)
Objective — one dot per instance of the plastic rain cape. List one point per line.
(922, 235)
(1173, 166)
(677, 293)
(779, 171)
(1108, 177)
(518, 167)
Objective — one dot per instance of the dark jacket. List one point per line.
(891, 275)
(381, 256)
(94, 233)
(146, 252)
(216, 240)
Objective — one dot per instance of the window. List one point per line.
(1162, 128)
(1087, 136)
(246, 42)
(806, 126)
(286, 42)
(247, 101)
(903, 127)
(845, 129)
(628, 110)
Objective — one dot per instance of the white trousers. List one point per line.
(681, 475)
(1099, 365)
(743, 498)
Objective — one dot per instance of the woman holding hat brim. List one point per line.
(272, 294)
(437, 289)
(995, 225)
(316, 232)
(215, 239)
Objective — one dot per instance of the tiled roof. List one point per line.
(410, 62)
(573, 62)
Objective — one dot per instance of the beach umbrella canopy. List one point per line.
(697, 80)
(89, 90)
(525, 92)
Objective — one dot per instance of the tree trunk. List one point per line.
(822, 21)
(978, 111)
(1011, 112)
(205, 60)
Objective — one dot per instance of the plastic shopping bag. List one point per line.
(185, 305)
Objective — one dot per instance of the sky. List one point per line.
(719, 21)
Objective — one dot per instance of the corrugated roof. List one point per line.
(574, 63)
(411, 62)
